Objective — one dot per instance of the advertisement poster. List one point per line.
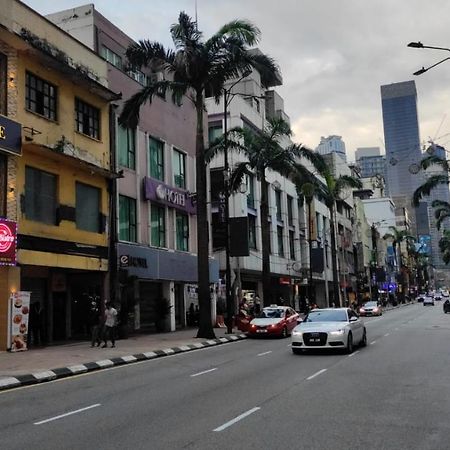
(20, 312)
(8, 235)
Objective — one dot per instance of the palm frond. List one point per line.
(440, 204)
(266, 66)
(237, 175)
(185, 32)
(434, 160)
(440, 219)
(428, 186)
(241, 30)
(146, 53)
(389, 236)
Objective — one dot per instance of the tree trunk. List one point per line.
(265, 241)
(336, 296)
(205, 328)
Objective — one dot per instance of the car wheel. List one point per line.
(363, 342)
(349, 348)
(297, 351)
(284, 333)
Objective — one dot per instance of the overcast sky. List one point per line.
(334, 55)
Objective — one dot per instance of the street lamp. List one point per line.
(420, 45)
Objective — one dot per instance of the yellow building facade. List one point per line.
(57, 189)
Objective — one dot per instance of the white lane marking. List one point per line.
(205, 371)
(316, 374)
(264, 353)
(386, 335)
(237, 419)
(354, 353)
(373, 342)
(66, 414)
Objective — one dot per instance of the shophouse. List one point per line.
(290, 260)
(57, 190)
(156, 211)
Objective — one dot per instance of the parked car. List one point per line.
(329, 328)
(371, 309)
(428, 300)
(274, 320)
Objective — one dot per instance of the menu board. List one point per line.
(20, 312)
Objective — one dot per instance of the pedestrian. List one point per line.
(197, 315)
(257, 305)
(110, 325)
(95, 324)
(191, 315)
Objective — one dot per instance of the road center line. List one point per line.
(264, 353)
(205, 371)
(353, 354)
(386, 335)
(373, 342)
(66, 414)
(316, 374)
(237, 419)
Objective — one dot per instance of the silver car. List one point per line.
(329, 328)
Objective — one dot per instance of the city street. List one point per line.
(254, 394)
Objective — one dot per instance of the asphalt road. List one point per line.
(254, 394)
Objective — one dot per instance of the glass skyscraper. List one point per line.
(401, 135)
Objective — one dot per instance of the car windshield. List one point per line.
(271, 314)
(326, 316)
(370, 304)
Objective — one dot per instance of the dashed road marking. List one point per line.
(316, 374)
(202, 373)
(237, 419)
(264, 353)
(70, 413)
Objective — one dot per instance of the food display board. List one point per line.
(20, 312)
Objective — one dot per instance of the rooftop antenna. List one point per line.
(196, 16)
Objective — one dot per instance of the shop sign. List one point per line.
(157, 191)
(8, 242)
(285, 280)
(10, 136)
(20, 311)
(132, 261)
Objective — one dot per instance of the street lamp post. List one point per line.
(420, 45)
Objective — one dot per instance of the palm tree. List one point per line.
(444, 246)
(331, 190)
(441, 211)
(264, 151)
(433, 181)
(196, 66)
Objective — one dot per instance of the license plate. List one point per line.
(261, 331)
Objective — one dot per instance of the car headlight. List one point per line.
(337, 332)
(296, 333)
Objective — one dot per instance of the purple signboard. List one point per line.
(157, 191)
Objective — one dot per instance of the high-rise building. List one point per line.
(370, 162)
(332, 144)
(401, 134)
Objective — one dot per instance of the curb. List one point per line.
(64, 372)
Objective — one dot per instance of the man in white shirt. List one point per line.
(110, 325)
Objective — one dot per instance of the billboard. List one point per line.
(424, 244)
(8, 242)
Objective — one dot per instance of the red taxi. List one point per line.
(274, 320)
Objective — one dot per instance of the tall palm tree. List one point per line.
(195, 66)
(397, 237)
(332, 189)
(264, 151)
(444, 246)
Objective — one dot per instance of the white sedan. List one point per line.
(329, 328)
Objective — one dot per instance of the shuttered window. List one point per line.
(87, 209)
(40, 195)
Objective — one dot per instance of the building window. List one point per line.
(87, 207)
(250, 191)
(280, 241)
(214, 131)
(127, 147)
(158, 226)
(127, 219)
(112, 57)
(87, 119)
(292, 245)
(278, 205)
(252, 231)
(179, 169)
(40, 96)
(182, 232)
(138, 76)
(290, 202)
(40, 196)
(156, 159)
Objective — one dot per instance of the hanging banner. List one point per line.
(20, 312)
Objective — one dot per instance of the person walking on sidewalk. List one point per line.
(110, 325)
(95, 324)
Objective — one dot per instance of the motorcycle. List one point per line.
(446, 306)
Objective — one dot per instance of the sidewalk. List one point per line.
(48, 363)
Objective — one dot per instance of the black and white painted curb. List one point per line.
(63, 372)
